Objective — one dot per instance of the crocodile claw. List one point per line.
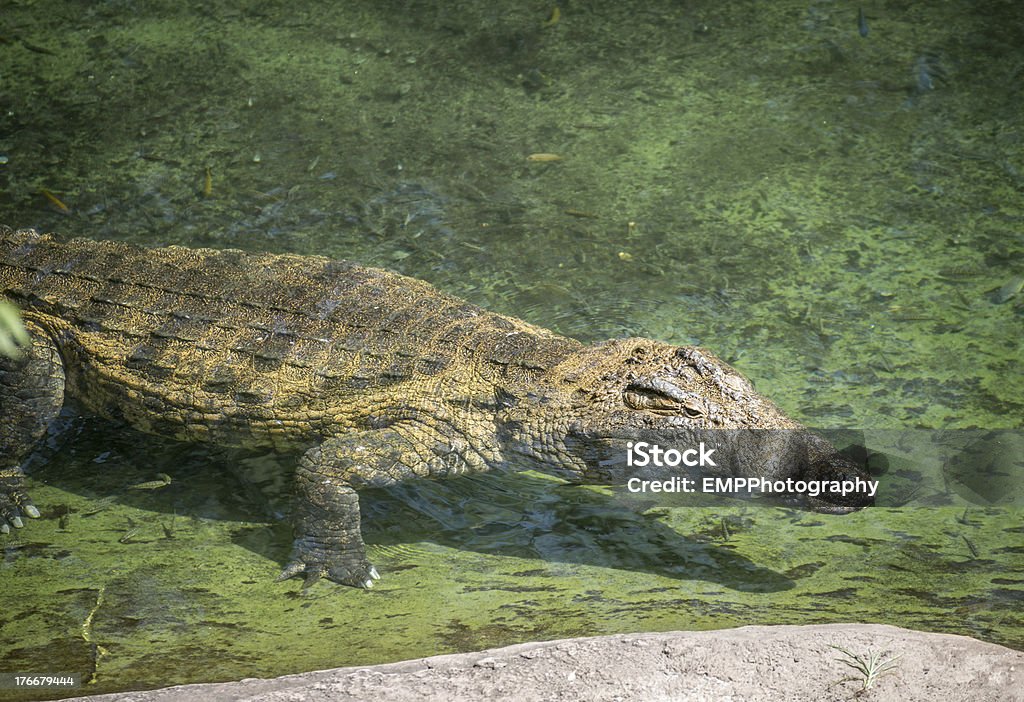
(315, 563)
(14, 504)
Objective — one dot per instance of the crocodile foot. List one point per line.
(14, 501)
(315, 561)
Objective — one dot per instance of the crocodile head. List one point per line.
(608, 400)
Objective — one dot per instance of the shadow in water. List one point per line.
(519, 514)
(526, 515)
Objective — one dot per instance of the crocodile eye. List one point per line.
(662, 397)
(644, 399)
(693, 409)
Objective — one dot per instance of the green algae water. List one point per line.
(839, 216)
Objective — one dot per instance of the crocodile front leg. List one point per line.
(31, 395)
(328, 539)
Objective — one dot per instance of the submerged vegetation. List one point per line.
(12, 331)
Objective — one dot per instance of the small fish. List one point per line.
(960, 272)
(164, 481)
(100, 505)
(912, 316)
(862, 22)
(543, 158)
(128, 535)
(970, 545)
(1009, 291)
(883, 363)
(208, 183)
(55, 201)
(35, 48)
(928, 72)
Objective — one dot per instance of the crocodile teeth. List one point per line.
(374, 574)
(16, 521)
(30, 510)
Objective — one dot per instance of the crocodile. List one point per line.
(368, 378)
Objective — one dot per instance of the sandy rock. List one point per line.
(750, 663)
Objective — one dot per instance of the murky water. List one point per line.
(757, 178)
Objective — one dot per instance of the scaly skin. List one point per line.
(370, 377)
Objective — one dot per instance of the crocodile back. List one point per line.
(264, 349)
